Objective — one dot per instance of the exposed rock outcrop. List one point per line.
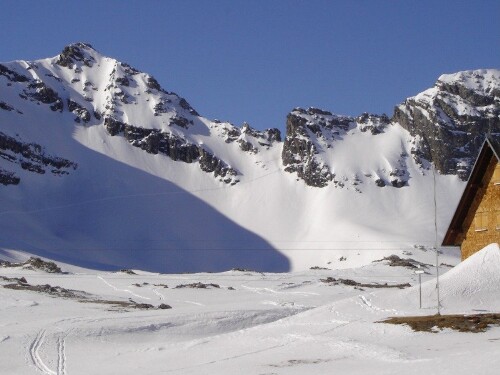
(250, 139)
(299, 150)
(11, 75)
(8, 178)
(176, 148)
(39, 91)
(31, 157)
(82, 114)
(74, 54)
(448, 124)
(450, 120)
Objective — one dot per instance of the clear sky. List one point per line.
(256, 60)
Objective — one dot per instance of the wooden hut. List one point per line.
(476, 222)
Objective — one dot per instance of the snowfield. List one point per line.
(246, 322)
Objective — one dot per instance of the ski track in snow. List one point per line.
(365, 302)
(61, 355)
(121, 290)
(297, 338)
(155, 291)
(228, 358)
(35, 355)
(272, 291)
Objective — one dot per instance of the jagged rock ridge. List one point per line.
(130, 104)
(447, 124)
(313, 134)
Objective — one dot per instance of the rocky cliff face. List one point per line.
(447, 124)
(450, 120)
(306, 132)
(176, 148)
(311, 140)
(31, 157)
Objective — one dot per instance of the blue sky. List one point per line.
(256, 60)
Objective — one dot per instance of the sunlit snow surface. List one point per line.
(289, 323)
(124, 207)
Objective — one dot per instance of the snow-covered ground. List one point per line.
(253, 323)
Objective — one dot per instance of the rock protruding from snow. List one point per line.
(303, 128)
(30, 157)
(75, 54)
(312, 134)
(8, 178)
(250, 139)
(450, 120)
(175, 147)
(448, 124)
(12, 75)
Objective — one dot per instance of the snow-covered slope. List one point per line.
(90, 322)
(100, 166)
(473, 283)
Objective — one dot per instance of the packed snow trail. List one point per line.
(160, 296)
(267, 349)
(121, 290)
(35, 355)
(253, 330)
(61, 355)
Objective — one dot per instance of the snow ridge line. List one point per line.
(35, 356)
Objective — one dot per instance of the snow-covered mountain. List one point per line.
(101, 166)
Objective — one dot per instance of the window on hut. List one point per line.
(496, 175)
(481, 221)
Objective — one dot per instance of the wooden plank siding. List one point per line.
(476, 222)
(483, 227)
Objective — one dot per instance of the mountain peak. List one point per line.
(75, 53)
(472, 75)
(81, 45)
(483, 82)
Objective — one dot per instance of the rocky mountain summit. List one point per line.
(97, 90)
(450, 120)
(446, 123)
